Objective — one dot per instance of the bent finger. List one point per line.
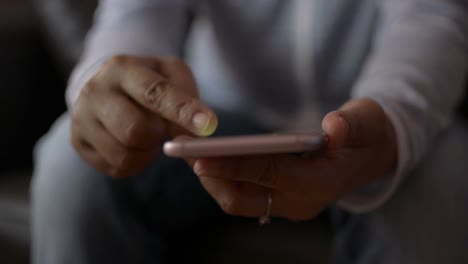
(131, 125)
(122, 161)
(159, 95)
(241, 199)
(283, 172)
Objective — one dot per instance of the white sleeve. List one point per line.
(130, 27)
(417, 73)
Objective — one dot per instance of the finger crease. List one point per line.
(155, 93)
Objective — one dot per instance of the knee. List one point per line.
(62, 181)
(54, 154)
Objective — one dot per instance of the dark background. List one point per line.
(31, 93)
(31, 97)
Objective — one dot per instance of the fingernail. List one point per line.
(204, 123)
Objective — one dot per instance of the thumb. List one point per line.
(336, 127)
(356, 124)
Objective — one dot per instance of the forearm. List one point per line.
(418, 69)
(416, 73)
(140, 28)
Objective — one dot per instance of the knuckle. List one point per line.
(184, 110)
(112, 66)
(90, 88)
(75, 141)
(76, 129)
(76, 133)
(117, 60)
(155, 93)
(76, 117)
(134, 133)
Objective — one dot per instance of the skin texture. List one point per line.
(361, 148)
(131, 104)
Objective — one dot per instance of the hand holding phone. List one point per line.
(245, 145)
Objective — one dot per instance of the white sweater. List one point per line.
(288, 62)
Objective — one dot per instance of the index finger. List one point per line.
(159, 95)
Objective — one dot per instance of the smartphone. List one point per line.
(300, 143)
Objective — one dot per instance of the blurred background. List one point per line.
(35, 61)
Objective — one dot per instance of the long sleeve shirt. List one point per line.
(287, 63)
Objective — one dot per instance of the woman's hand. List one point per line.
(361, 148)
(129, 106)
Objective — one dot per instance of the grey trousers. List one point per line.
(82, 216)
